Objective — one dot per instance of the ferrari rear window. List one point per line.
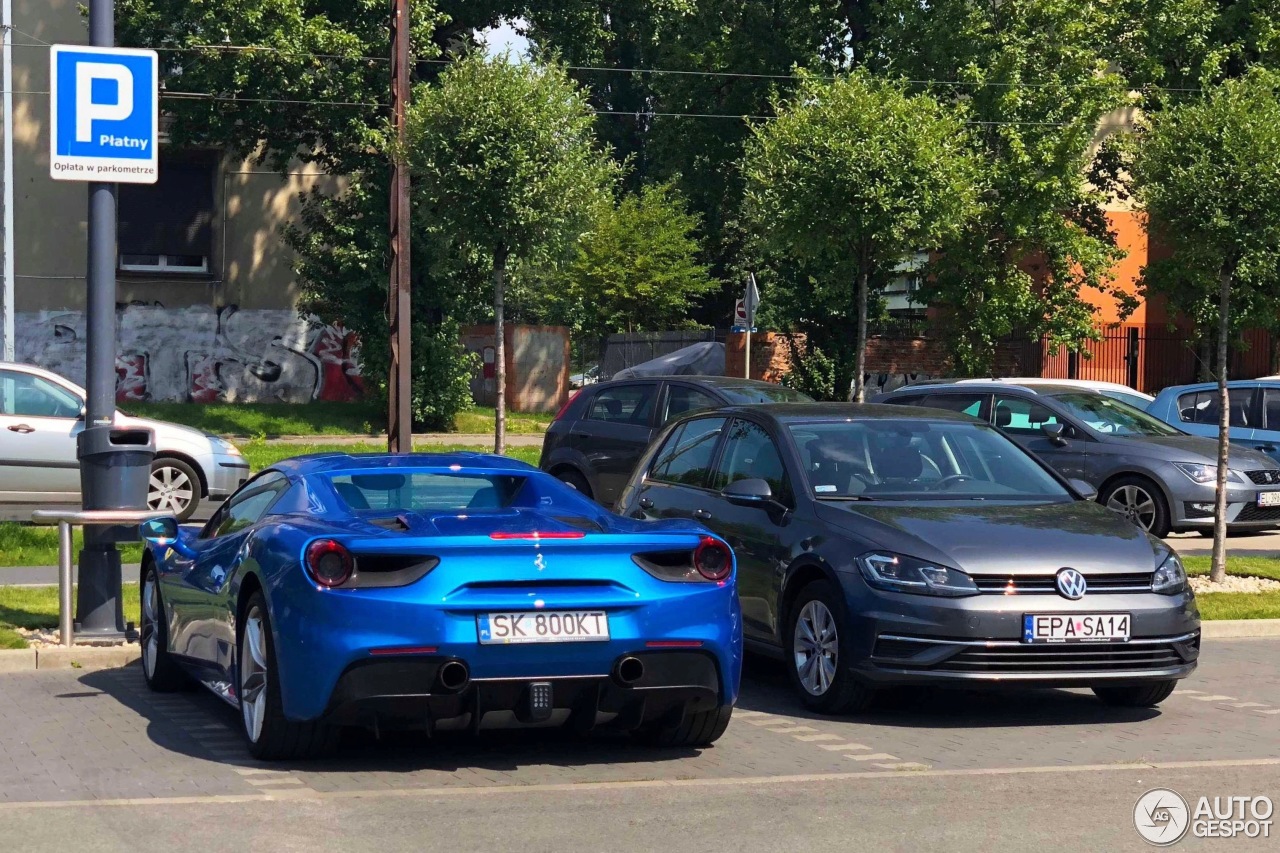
(428, 491)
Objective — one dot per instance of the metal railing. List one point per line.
(66, 519)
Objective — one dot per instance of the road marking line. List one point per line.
(811, 738)
(1186, 692)
(875, 756)
(768, 721)
(1248, 705)
(738, 713)
(580, 787)
(274, 780)
(838, 746)
(260, 771)
(784, 729)
(1213, 698)
(1272, 711)
(903, 765)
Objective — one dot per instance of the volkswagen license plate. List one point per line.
(570, 626)
(1075, 628)
(1268, 498)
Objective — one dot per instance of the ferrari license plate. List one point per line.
(1268, 498)
(1075, 628)
(570, 626)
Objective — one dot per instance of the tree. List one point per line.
(1207, 175)
(636, 270)
(1034, 80)
(854, 177)
(506, 166)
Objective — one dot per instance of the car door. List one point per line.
(1267, 436)
(39, 422)
(1198, 412)
(194, 589)
(1022, 418)
(681, 398)
(676, 484)
(756, 533)
(613, 433)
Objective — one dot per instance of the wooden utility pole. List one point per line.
(399, 414)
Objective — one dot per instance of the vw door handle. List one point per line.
(702, 515)
(22, 428)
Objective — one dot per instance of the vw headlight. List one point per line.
(899, 573)
(1201, 473)
(1170, 578)
(226, 448)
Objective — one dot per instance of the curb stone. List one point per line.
(1232, 629)
(76, 657)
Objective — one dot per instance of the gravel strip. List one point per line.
(1234, 584)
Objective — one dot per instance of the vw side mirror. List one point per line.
(1084, 489)
(164, 533)
(1055, 433)
(749, 492)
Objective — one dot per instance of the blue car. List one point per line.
(440, 591)
(1254, 411)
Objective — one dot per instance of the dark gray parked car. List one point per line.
(596, 439)
(1157, 476)
(882, 545)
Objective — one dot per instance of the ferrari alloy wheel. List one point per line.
(270, 735)
(160, 670)
(818, 652)
(1141, 502)
(174, 487)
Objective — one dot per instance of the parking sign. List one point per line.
(104, 114)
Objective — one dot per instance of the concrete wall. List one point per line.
(537, 364)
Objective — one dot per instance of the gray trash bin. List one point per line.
(115, 466)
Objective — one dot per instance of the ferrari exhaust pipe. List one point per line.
(628, 671)
(454, 675)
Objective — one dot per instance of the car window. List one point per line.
(915, 459)
(1201, 407)
(681, 399)
(749, 453)
(1112, 417)
(246, 506)
(969, 404)
(426, 491)
(625, 404)
(1018, 416)
(25, 395)
(1132, 399)
(685, 457)
(1271, 408)
(746, 395)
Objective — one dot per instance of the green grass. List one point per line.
(37, 607)
(25, 545)
(251, 420)
(1239, 605)
(260, 454)
(1240, 565)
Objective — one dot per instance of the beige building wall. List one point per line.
(249, 264)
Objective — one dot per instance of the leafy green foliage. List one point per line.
(852, 179)
(636, 270)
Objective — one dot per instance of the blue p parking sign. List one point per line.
(104, 114)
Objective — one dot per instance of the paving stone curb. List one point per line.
(76, 657)
(1231, 629)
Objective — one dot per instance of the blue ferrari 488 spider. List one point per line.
(443, 592)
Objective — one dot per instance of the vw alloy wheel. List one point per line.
(816, 648)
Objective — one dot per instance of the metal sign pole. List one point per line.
(98, 606)
(399, 387)
(6, 108)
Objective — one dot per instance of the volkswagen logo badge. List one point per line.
(1071, 584)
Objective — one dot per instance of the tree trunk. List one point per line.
(500, 351)
(860, 358)
(1218, 572)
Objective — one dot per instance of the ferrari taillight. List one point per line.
(712, 559)
(329, 563)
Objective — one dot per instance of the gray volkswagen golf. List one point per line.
(882, 545)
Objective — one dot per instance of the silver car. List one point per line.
(1154, 474)
(41, 413)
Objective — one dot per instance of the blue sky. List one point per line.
(503, 39)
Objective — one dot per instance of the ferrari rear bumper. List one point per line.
(430, 691)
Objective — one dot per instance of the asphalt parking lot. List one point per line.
(974, 770)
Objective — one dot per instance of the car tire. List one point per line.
(270, 736)
(1136, 695)
(1141, 501)
(817, 622)
(695, 729)
(159, 668)
(174, 487)
(570, 477)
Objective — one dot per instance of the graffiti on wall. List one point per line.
(206, 355)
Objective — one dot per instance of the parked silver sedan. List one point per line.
(41, 413)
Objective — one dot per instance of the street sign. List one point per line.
(739, 312)
(104, 114)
